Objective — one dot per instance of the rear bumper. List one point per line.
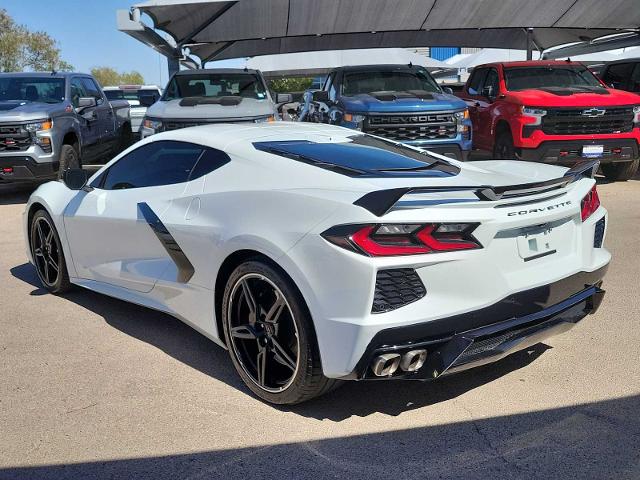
(476, 338)
(568, 152)
(25, 169)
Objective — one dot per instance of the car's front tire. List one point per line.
(47, 254)
(270, 336)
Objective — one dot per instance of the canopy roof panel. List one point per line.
(321, 63)
(220, 29)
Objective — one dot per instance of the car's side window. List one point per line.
(634, 86)
(77, 91)
(490, 86)
(477, 79)
(164, 162)
(330, 87)
(617, 75)
(92, 89)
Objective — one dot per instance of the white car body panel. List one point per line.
(279, 207)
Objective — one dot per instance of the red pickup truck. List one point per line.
(553, 112)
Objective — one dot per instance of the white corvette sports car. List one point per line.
(315, 253)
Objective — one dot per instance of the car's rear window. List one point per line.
(362, 156)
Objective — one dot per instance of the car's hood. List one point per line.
(247, 108)
(572, 97)
(20, 110)
(370, 103)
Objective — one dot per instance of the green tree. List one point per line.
(290, 84)
(108, 76)
(132, 78)
(21, 49)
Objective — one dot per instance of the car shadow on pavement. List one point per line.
(15, 194)
(191, 348)
(587, 441)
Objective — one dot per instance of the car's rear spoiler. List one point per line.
(381, 201)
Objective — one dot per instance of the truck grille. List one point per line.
(432, 126)
(14, 138)
(588, 120)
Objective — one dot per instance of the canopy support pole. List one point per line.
(529, 43)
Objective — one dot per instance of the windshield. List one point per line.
(32, 89)
(212, 85)
(131, 94)
(355, 83)
(523, 78)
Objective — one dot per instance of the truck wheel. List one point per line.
(504, 149)
(620, 171)
(68, 159)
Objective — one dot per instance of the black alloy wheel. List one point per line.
(47, 253)
(270, 335)
(264, 335)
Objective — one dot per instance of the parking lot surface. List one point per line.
(92, 387)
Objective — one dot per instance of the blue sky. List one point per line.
(87, 34)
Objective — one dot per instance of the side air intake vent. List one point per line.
(396, 288)
(598, 236)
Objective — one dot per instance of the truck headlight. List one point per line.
(462, 114)
(268, 119)
(39, 126)
(535, 114)
(354, 118)
(152, 124)
(636, 115)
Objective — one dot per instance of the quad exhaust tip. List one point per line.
(387, 364)
(413, 360)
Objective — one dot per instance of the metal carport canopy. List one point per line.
(222, 29)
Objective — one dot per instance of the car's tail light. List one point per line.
(590, 203)
(390, 239)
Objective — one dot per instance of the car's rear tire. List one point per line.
(620, 172)
(69, 159)
(503, 148)
(47, 254)
(270, 336)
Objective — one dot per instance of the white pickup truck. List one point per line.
(138, 96)
(197, 97)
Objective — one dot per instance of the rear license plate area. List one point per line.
(592, 151)
(536, 243)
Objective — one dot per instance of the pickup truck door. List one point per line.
(104, 113)
(485, 104)
(87, 119)
(473, 98)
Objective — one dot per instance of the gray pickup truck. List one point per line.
(50, 122)
(224, 95)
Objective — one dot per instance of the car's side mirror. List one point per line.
(447, 90)
(86, 102)
(284, 98)
(321, 96)
(147, 100)
(75, 178)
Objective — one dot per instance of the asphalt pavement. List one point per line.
(92, 387)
